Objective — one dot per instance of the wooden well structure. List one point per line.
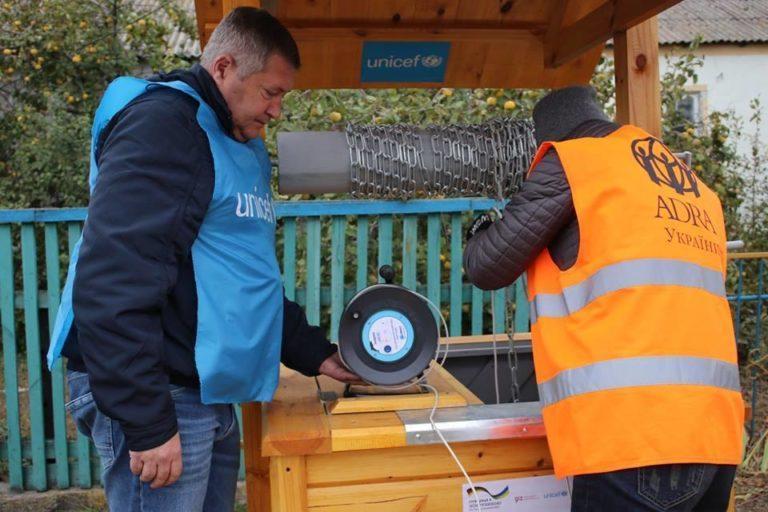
(297, 456)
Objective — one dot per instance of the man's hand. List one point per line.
(335, 369)
(160, 465)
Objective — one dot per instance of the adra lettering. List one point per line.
(685, 212)
(253, 206)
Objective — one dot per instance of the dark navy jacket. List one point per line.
(134, 298)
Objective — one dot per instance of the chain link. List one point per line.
(490, 159)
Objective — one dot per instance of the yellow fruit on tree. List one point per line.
(70, 99)
(33, 51)
(491, 100)
(445, 91)
(77, 59)
(7, 51)
(509, 105)
(335, 116)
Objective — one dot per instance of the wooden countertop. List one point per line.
(295, 423)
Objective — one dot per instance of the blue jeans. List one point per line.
(670, 488)
(210, 451)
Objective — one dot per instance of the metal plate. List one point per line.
(474, 423)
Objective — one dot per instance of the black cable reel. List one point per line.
(387, 333)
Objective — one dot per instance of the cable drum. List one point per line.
(387, 335)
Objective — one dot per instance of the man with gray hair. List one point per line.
(174, 308)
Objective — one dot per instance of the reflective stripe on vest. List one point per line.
(622, 275)
(640, 371)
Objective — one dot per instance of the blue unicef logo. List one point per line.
(431, 61)
(404, 61)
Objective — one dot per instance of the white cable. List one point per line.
(448, 446)
(434, 390)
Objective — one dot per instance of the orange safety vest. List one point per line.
(633, 345)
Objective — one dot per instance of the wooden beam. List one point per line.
(256, 466)
(601, 24)
(553, 31)
(638, 90)
(295, 423)
(288, 478)
(332, 57)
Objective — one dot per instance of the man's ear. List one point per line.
(223, 66)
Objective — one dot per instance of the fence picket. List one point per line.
(84, 475)
(362, 253)
(385, 241)
(455, 279)
(34, 366)
(338, 246)
(410, 247)
(53, 280)
(434, 263)
(314, 249)
(10, 369)
(289, 258)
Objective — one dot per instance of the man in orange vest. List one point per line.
(633, 341)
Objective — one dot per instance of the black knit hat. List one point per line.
(558, 113)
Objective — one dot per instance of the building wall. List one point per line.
(730, 77)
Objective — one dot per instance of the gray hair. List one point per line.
(250, 36)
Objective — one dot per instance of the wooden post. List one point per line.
(638, 90)
(256, 467)
(288, 478)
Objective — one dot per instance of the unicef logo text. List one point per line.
(392, 62)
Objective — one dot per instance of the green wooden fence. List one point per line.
(328, 249)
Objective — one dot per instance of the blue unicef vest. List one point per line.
(239, 289)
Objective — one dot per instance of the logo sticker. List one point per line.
(401, 61)
(663, 168)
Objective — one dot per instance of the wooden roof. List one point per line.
(491, 43)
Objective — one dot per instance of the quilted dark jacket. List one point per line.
(540, 215)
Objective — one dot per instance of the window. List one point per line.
(693, 105)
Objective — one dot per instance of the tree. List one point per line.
(57, 58)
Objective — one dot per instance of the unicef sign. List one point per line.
(399, 61)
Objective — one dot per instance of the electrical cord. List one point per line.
(448, 446)
(421, 383)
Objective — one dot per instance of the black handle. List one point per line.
(387, 273)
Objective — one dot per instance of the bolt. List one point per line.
(355, 315)
(641, 61)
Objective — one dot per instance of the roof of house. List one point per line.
(714, 21)
(720, 21)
